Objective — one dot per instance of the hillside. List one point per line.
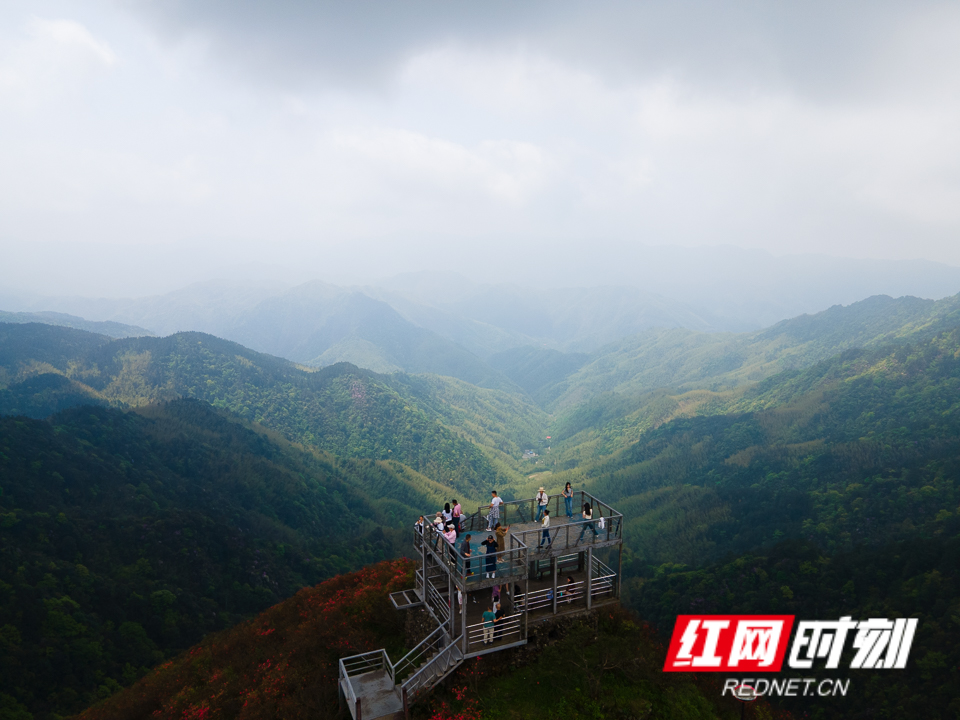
(817, 492)
(284, 664)
(340, 409)
(685, 359)
(127, 537)
(109, 328)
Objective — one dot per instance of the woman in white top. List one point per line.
(587, 515)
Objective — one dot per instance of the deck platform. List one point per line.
(537, 580)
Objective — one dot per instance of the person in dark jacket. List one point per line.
(491, 546)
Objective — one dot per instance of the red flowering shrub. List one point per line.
(282, 664)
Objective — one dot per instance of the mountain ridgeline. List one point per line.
(340, 409)
(811, 468)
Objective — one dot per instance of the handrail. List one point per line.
(352, 695)
(412, 658)
(507, 625)
(560, 534)
(438, 666)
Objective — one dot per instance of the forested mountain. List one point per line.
(809, 468)
(128, 536)
(837, 487)
(341, 409)
(684, 359)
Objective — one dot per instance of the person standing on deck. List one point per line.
(494, 515)
(587, 515)
(501, 533)
(451, 537)
(491, 546)
(418, 525)
(489, 621)
(466, 552)
(457, 515)
(568, 500)
(546, 529)
(542, 500)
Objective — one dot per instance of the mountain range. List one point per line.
(808, 468)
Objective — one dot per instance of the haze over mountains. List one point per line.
(447, 324)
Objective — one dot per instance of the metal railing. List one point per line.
(509, 626)
(422, 653)
(504, 563)
(437, 603)
(432, 672)
(572, 535)
(360, 665)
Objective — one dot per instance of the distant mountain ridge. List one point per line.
(680, 358)
(340, 409)
(107, 327)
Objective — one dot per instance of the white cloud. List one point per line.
(50, 58)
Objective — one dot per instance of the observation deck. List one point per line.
(574, 571)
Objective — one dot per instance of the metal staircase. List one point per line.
(375, 688)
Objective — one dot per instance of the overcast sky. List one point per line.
(146, 143)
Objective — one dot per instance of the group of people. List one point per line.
(491, 616)
(543, 515)
(496, 542)
(449, 525)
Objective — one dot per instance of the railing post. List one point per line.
(554, 565)
(589, 578)
(463, 616)
(450, 604)
(619, 568)
(406, 707)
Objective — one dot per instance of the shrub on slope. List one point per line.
(282, 664)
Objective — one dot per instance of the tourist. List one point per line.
(447, 514)
(491, 547)
(494, 515)
(498, 613)
(568, 589)
(418, 525)
(568, 500)
(542, 500)
(489, 622)
(546, 529)
(438, 526)
(501, 533)
(466, 552)
(457, 516)
(587, 515)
